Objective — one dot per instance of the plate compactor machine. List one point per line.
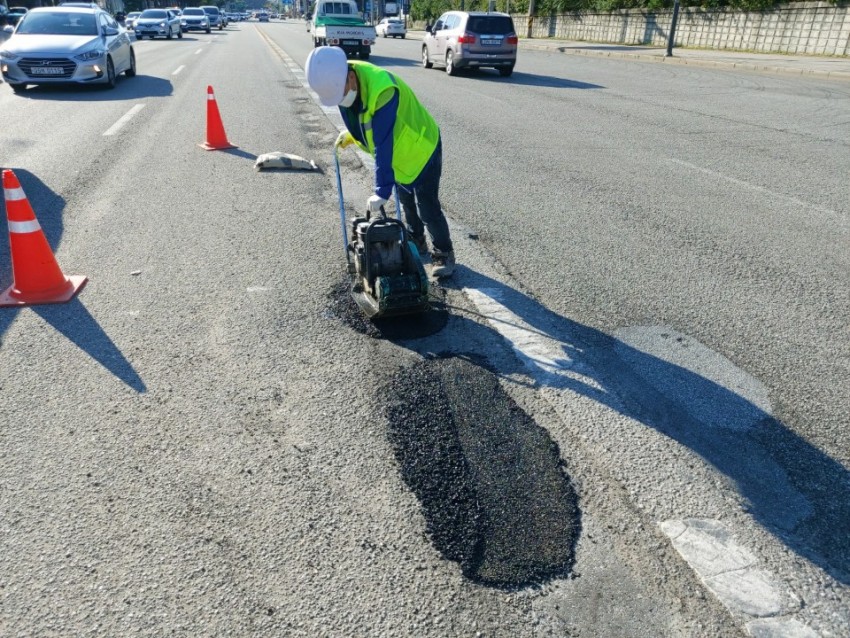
(386, 271)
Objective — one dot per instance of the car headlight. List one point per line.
(162, 24)
(94, 54)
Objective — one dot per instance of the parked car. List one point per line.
(195, 19)
(214, 15)
(391, 27)
(130, 19)
(158, 22)
(466, 39)
(54, 45)
(262, 16)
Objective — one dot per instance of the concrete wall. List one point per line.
(814, 28)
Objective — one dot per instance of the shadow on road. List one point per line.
(141, 86)
(71, 319)
(794, 490)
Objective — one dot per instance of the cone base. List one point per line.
(209, 147)
(13, 297)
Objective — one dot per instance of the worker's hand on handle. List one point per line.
(374, 203)
(344, 139)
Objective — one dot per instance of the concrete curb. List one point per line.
(719, 64)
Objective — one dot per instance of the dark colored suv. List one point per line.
(471, 39)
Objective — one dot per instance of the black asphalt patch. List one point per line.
(491, 483)
(416, 326)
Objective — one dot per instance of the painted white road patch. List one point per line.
(726, 567)
(545, 356)
(713, 390)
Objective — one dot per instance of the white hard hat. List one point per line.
(327, 70)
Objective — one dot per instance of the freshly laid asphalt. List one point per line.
(818, 66)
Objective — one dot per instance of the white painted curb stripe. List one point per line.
(24, 227)
(14, 194)
(112, 130)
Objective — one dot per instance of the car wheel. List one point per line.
(180, 34)
(110, 74)
(426, 62)
(131, 72)
(209, 30)
(505, 71)
(385, 36)
(450, 63)
(170, 34)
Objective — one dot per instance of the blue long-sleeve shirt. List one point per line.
(383, 123)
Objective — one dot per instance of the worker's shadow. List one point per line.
(71, 319)
(798, 493)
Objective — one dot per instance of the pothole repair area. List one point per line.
(490, 481)
(416, 326)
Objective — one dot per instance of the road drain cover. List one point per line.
(490, 481)
(416, 326)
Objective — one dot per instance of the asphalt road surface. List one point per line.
(626, 414)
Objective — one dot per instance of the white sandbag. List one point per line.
(284, 160)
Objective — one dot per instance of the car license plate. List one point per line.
(47, 70)
(491, 42)
(353, 43)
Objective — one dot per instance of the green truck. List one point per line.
(339, 23)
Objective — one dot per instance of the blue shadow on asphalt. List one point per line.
(71, 319)
(518, 77)
(795, 491)
(141, 86)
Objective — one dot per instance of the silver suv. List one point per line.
(471, 39)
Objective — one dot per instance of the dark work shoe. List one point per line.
(443, 264)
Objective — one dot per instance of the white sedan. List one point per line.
(393, 27)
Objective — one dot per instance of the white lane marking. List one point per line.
(755, 187)
(545, 356)
(707, 403)
(727, 568)
(178, 69)
(198, 51)
(112, 130)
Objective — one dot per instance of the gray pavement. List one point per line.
(819, 66)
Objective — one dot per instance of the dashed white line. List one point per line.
(178, 69)
(755, 187)
(198, 51)
(112, 130)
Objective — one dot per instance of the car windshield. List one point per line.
(490, 24)
(153, 14)
(193, 12)
(211, 10)
(133, 14)
(58, 23)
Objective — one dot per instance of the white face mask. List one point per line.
(349, 98)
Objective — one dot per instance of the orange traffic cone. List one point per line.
(216, 137)
(37, 277)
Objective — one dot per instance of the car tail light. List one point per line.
(512, 39)
(466, 38)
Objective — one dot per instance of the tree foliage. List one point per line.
(429, 10)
